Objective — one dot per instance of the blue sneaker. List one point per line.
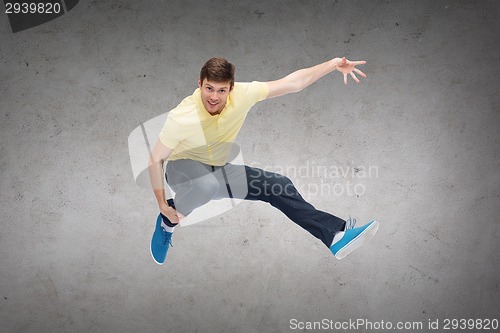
(160, 242)
(353, 239)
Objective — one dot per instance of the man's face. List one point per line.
(214, 95)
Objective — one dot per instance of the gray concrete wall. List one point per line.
(75, 227)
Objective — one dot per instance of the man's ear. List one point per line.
(199, 83)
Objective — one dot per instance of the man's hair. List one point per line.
(218, 70)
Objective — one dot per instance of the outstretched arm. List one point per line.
(302, 78)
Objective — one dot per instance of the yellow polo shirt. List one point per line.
(195, 134)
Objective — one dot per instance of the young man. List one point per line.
(197, 139)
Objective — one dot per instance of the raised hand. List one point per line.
(348, 67)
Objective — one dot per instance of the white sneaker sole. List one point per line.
(152, 256)
(357, 242)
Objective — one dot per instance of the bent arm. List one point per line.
(159, 154)
(301, 79)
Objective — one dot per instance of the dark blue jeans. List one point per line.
(196, 184)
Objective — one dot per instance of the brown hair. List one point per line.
(218, 70)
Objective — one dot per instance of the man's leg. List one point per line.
(193, 183)
(256, 184)
(279, 191)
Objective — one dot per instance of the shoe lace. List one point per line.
(167, 238)
(350, 223)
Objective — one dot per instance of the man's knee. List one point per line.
(283, 186)
(205, 187)
(277, 185)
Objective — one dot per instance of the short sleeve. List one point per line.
(247, 94)
(170, 133)
(264, 91)
(259, 89)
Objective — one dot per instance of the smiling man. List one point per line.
(197, 140)
(214, 96)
